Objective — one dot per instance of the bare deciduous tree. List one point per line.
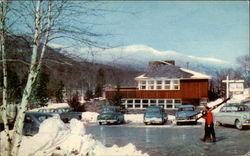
(45, 21)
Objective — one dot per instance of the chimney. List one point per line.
(156, 63)
(170, 62)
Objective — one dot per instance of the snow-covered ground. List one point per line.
(57, 138)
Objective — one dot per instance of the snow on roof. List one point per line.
(196, 75)
(141, 77)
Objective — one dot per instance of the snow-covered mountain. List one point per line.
(138, 56)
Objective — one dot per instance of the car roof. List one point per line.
(110, 107)
(154, 107)
(236, 105)
(37, 113)
(185, 106)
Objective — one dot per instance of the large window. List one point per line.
(158, 84)
(144, 103)
(176, 84)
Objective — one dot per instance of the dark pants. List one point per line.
(208, 132)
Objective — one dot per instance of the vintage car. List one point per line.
(110, 115)
(32, 121)
(186, 114)
(155, 115)
(65, 113)
(237, 115)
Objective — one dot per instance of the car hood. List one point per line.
(107, 114)
(185, 113)
(153, 115)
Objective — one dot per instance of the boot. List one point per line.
(214, 140)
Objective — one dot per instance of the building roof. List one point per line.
(171, 72)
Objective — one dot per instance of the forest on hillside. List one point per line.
(60, 73)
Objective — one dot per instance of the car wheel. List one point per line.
(218, 123)
(145, 123)
(238, 125)
(66, 120)
(100, 123)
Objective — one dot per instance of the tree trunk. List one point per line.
(7, 142)
(18, 127)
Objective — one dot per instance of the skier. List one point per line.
(209, 125)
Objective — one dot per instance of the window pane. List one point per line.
(177, 101)
(130, 101)
(152, 101)
(169, 106)
(137, 106)
(169, 101)
(159, 82)
(176, 87)
(161, 105)
(158, 87)
(144, 105)
(150, 82)
(167, 87)
(144, 101)
(137, 101)
(143, 87)
(130, 106)
(142, 82)
(151, 87)
(167, 81)
(160, 101)
(175, 81)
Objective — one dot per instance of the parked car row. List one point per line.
(234, 114)
(152, 115)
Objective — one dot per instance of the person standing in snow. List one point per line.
(209, 125)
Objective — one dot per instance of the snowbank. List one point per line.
(89, 116)
(133, 118)
(56, 138)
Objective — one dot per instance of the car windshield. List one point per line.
(241, 108)
(109, 110)
(42, 117)
(153, 111)
(186, 109)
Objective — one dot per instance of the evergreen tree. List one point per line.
(117, 99)
(14, 87)
(39, 95)
(59, 92)
(100, 82)
(75, 103)
(98, 90)
(88, 95)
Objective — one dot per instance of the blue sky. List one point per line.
(218, 29)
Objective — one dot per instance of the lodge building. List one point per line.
(166, 85)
